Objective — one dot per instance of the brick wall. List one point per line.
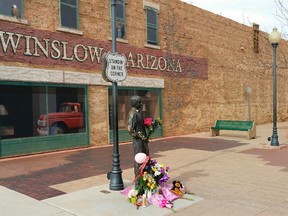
(232, 66)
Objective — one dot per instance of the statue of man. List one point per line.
(136, 129)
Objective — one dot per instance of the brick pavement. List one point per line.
(33, 175)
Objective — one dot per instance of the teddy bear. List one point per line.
(178, 188)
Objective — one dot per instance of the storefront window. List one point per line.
(150, 100)
(39, 110)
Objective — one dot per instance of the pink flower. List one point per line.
(165, 204)
(148, 121)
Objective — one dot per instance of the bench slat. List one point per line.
(233, 125)
(229, 128)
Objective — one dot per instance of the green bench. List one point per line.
(248, 126)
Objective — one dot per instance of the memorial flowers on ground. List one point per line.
(153, 185)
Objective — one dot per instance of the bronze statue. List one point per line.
(136, 129)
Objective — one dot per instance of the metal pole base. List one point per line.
(274, 140)
(274, 137)
(116, 182)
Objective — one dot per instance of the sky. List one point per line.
(262, 12)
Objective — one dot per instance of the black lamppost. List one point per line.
(115, 176)
(274, 39)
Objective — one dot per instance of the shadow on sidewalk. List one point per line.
(274, 157)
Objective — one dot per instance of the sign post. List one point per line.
(115, 71)
(115, 67)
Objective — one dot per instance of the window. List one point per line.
(149, 98)
(69, 13)
(152, 25)
(120, 27)
(41, 110)
(6, 6)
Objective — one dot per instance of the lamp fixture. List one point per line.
(274, 36)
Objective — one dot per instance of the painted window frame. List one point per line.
(76, 6)
(153, 26)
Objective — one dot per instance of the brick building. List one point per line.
(189, 66)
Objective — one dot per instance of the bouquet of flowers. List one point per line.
(153, 176)
(147, 183)
(132, 195)
(151, 125)
(160, 172)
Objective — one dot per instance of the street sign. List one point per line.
(115, 67)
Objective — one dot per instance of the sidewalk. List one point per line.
(228, 175)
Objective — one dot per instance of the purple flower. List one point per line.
(165, 178)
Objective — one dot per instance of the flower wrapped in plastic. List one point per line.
(160, 172)
(147, 182)
(153, 176)
(159, 200)
(132, 195)
(151, 125)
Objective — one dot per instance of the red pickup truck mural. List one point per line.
(69, 118)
